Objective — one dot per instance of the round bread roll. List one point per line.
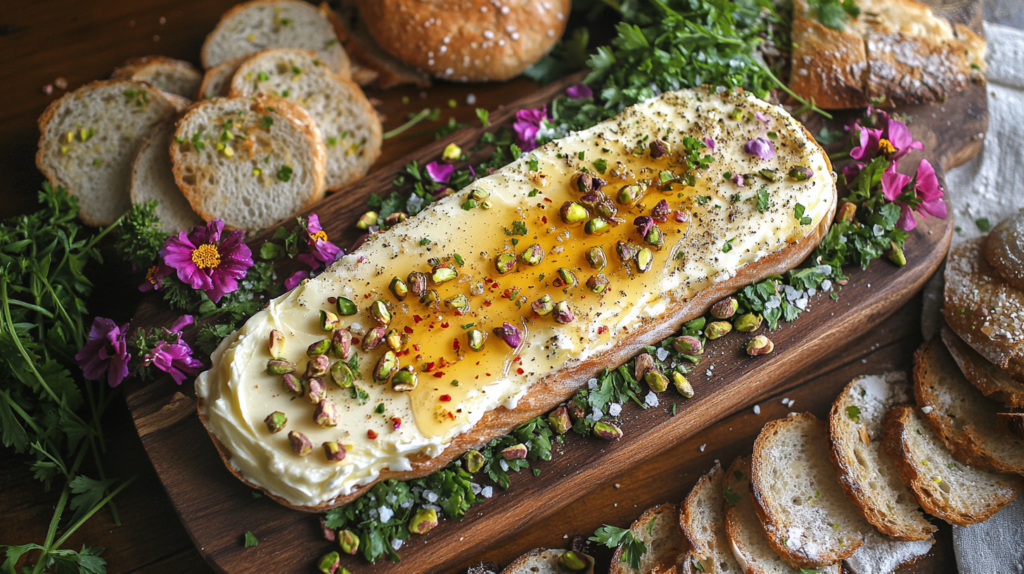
(467, 40)
(1004, 249)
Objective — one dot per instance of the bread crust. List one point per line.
(387, 71)
(988, 378)
(665, 563)
(687, 512)
(218, 73)
(520, 565)
(828, 67)
(897, 422)
(466, 40)
(1010, 425)
(136, 65)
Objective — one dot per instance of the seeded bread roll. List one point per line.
(89, 138)
(217, 80)
(387, 70)
(153, 179)
(544, 561)
(658, 528)
(249, 161)
(992, 381)
(467, 40)
(262, 24)
(702, 519)
(1004, 249)
(348, 123)
(170, 75)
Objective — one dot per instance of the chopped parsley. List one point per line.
(798, 212)
(763, 203)
(601, 165)
(285, 173)
(727, 246)
(518, 228)
(633, 548)
(984, 225)
(251, 540)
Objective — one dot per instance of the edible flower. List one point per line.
(206, 262)
(321, 251)
(761, 147)
(293, 281)
(105, 351)
(440, 172)
(154, 277)
(710, 143)
(527, 125)
(893, 141)
(579, 91)
(925, 197)
(174, 359)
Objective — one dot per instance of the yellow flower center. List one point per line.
(319, 236)
(886, 147)
(151, 274)
(206, 256)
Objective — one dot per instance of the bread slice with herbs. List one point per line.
(867, 475)
(172, 76)
(348, 123)
(545, 561)
(954, 492)
(743, 529)
(804, 511)
(249, 161)
(217, 80)
(702, 518)
(987, 377)
(263, 24)
(89, 139)
(153, 180)
(960, 415)
(658, 529)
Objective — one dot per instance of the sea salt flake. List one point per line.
(487, 492)
(614, 409)
(386, 513)
(592, 384)
(651, 399)
(757, 409)
(662, 354)
(503, 465)
(430, 495)
(396, 543)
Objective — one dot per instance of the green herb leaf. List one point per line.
(251, 540)
(633, 549)
(984, 225)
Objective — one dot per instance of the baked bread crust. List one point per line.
(1010, 425)
(466, 40)
(172, 76)
(664, 555)
(217, 80)
(387, 71)
(829, 67)
(992, 381)
(543, 561)
(1004, 249)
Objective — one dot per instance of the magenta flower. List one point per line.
(527, 125)
(154, 277)
(174, 359)
(296, 278)
(321, 251)
(579, 91)
(761, 147)
(868, 144)
(893, 183)
(898, 135)
(204, 261)
(926, 190)
(710, 143)
(440, 172)
(894, 140)
(105, 351)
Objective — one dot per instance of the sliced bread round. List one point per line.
(153, 179)
(804, 511)
(658, 529)
(992, 381)
(262, 24)
(960, 415)
(743, 530)
(544, 561)
(702, 519)
(89, 138)
(172, 76)
(954, 492)
(217, 80)
(249, 161)
(870, 478)
(883, 555)
(347, 121)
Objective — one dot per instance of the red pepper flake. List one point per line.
(416, 347)
(417, 318)
(455, 344)
(366, 295)
(547, 199)
(488, 374)
(488, 280)
(444, 362)
(431, 366)
(332, 300)
(544, 219)
(396, 422)
(602, 330)
(408, 329)
(444, 325)
(371, 434)
(487, 302)
(520, 370)
(438, 374)
(355, 340)
(446, 398)
(506, 293)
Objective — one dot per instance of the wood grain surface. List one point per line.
(44, 40)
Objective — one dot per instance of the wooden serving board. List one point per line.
(217, 509)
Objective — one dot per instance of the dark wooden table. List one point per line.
(43, 40)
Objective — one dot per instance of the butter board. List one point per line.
(217, 509)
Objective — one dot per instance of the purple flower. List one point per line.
(868, 144)
(204, 261)
(898, 135)
(852, 170)
(893, 183)
(440, 172)
(174, 359)
(321, 251)
(739, 180)
(762, 117)
(296, 278)
(527, 125)
(761, 147)
(926, 190)
(579, 91)
(105, 351)
(710, 143)
(154, 277)
(181, 323)
(894, 141)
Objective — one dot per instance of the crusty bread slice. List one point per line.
(217, 80)
(702, 519)
(249, 161)
(945, 488)
(988, 378)
(743, 529)
(807, 517)
(170, 75)
(349, 124)
(543, 561)
(89, 138)
(359, 44)
(658, 528)
(959, 414)
(983, 308)
(262, 24)
(153, 179)
(1010, 425)
(882, 555)
(869, 478)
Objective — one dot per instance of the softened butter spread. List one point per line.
(716, 208)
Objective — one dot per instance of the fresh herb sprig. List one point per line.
(633, 549)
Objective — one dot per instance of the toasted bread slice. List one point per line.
(263, 24)
(804, 511)
(658, 528)
(217, 80)
(869, 478)
(954, 492)
(544, 561)
(249, 161)
(828, 66)
(992, 381)
(959, 414)
(983, 309)
(1004, 249)
(702, 519)
(153, 179)
(883, 555)
(170, 75)
(89, 138)
(1010, 425)
(743, 529)
(359, 43)
(345, 118)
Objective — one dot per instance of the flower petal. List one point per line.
(893, 183)
(761, 147)
(579, 91)
(440, 172)
(296, 278)
(906, 221)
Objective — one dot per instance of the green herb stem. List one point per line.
(419, 117)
